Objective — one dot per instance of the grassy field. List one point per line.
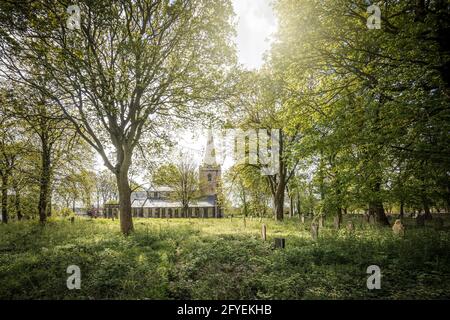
(220, 259)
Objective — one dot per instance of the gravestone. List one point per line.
(280, 243)
(398, 228)
(302, 218)
(351, 226)
(314, 231)
(264, 232)
(371, 219)
(438, 223)
(420, 221)
(336, 222)
(366, 217)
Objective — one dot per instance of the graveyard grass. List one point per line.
(220, 259)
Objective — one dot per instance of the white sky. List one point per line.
(256, 24)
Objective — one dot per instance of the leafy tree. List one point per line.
(131, 65)
(182, 177)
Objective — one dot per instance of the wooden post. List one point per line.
(264, 232)
(280, 243)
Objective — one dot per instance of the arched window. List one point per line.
(209, 177)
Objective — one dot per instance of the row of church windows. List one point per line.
(172, 212)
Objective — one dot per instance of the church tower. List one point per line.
(209, 171)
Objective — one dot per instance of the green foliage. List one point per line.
(65, 213)
(220, 259)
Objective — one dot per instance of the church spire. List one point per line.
(210, 151)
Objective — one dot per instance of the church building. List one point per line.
(157, 202)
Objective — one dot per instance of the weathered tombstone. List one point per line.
(398, 228)
(420, 220)
(302, 218)
(371, 219)
(438, 223)
(280, 243)
(336, 222)
(314, 231)
(366, 217)
(351, 226)
(264, 232)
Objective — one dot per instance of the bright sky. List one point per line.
(256, 25)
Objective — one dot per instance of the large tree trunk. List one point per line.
(298, 205)
(280, 185)
(339, 216)
(402, 209)
(376, 208)
(5, 198)
(291, 207)
(17, 205)
(126, 219)
(185, 211)
(279, 200)
(426, 208)
(44, 184)
(49, 203)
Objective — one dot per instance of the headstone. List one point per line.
(366, 217)
(314, 231)
(264, 232)
(398, 228)
(420, 220)
(280, 243)
(438, 223)
(336, 222)
(351, 226)
(302, 218)
(371, 219)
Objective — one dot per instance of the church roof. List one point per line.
(160, 189)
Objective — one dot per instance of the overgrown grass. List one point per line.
(219, 259)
